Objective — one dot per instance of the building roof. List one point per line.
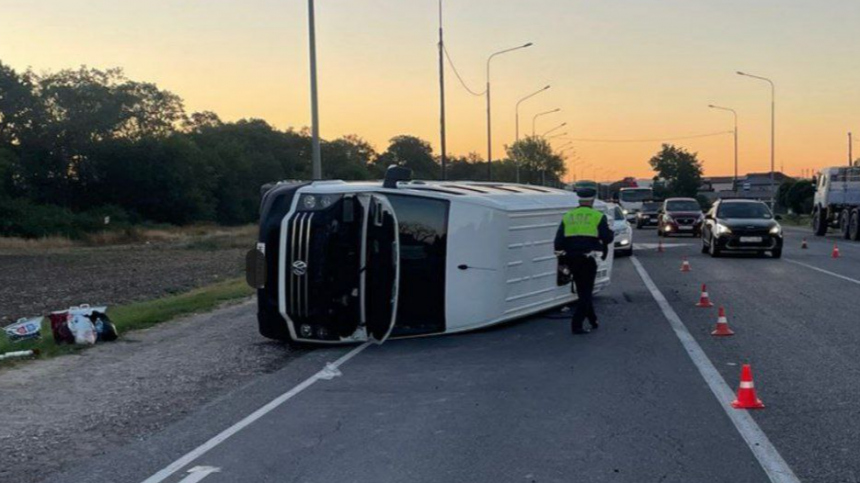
(718, 179)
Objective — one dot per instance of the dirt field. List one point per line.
(35, 279)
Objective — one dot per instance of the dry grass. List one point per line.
(12, 243)
(194, 236)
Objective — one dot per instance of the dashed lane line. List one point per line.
(327, 373)
(768, 457)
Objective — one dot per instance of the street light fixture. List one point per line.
(489, 116)
(518, 109)
(772, 132)
(735, 181)
(534, 119)
(556, 136)
(554, 129)
(517, 122)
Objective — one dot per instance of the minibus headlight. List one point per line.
(309, 202)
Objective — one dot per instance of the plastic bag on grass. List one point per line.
(82, 329)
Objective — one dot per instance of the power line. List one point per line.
(675, 138)
(462, 82)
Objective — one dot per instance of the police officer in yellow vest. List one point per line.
(582, 236)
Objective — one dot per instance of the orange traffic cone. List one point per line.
(746, 392)
(704, 301)
(803, 244)
(835, 253)
(660, 246)
(685, 265)
(722, 329)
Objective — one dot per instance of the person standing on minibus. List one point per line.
(582, 236)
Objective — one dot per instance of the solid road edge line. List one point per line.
(204, 448)
(768, 457)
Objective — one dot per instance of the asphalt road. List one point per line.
(530, 402)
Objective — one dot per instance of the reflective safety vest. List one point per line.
(582, 221)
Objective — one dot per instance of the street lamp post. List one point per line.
(735, 181)
(544, 113)
(554, 129)
(556, 136)
(489, 116)
(316, 155)
(517, 121)
(772, 132)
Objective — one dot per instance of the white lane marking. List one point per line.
(768, 457)
(828, 272)
(654, 246)
(324, 374)
(197, 473)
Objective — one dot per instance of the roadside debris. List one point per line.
(19, 354)
(83, 325)
(24, 329)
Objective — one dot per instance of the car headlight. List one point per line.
(723, 229)
(669, 219)
(777, 230)
(625, 212)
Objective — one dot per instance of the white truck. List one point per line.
(837, 202)
(630, 200)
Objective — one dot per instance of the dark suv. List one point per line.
(649, 214)
(680, 216)
(741, 226)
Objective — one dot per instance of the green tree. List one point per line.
(536, 160)
(8, 163)
(164, 180)
(411, 152)
(348, 158)
(242, 156)
(20, 109)
(471, 167)
(679, 171)
(799, 197)
(782, 192)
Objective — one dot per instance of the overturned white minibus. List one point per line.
(341, 262)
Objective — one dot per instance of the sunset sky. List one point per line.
(632, 69)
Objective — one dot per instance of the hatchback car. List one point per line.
(623, 233)
(649, 215)
(741, 226)
(680, 216)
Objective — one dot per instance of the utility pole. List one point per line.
(444, 156)
(850, 155)
(316, 156)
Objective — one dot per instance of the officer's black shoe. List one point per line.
(594, 324)
(577, 328)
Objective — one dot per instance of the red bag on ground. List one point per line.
(60, 327)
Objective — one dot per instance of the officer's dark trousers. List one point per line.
(584, 270)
